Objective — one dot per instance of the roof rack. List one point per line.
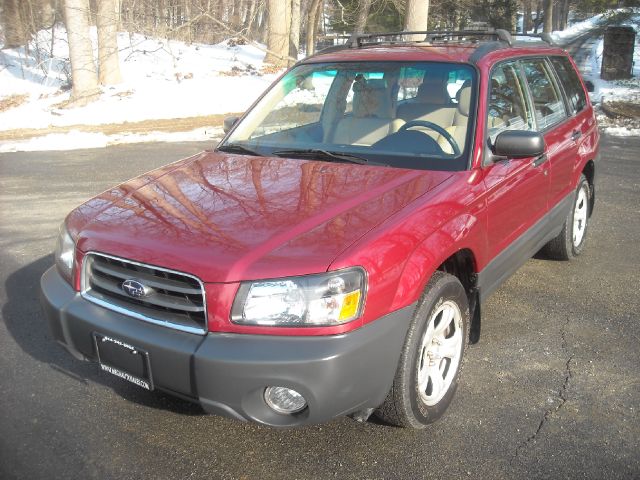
(359, 40)
(486, 41)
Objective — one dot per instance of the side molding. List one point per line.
(515, 255)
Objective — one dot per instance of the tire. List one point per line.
(571, 240)
(431, 351)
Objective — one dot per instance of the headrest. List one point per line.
(464, 98)
(433, 90)
(377, 84)
(371, 99)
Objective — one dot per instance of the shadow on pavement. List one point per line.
(25, 321)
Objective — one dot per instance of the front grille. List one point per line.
(174, 299)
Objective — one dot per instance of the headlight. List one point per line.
(309, 301)
(64, 253)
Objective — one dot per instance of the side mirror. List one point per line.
(228, 123)
(590, 86)
(518, 144)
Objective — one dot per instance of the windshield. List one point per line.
(401, 114)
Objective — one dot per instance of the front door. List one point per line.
(517, 190)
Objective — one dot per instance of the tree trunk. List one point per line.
(15, 32)
(279, 27)
(236, 16)
(416, 17)
(312, 25)
(564, 14)
(83, 69)
(548, 16)
(294, 40)
(250, 20)
(364, 6)
(108, 58)
(526, 20)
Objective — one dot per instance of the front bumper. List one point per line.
(227, 373)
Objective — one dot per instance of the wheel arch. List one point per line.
(589, 171)
(460, 262)
(463, 265)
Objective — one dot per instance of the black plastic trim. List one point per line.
(515, 255)
(484, 49)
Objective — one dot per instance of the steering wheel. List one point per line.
(424, 123)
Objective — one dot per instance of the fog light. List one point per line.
(284, 400)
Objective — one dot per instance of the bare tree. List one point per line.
(548, 16)
(313, 15)
(279, 27)
(294, 40)
(108, 59)
(563, 14)
(364, 6)
(416, 16)
(83, 69)
(526, 20)
(13, 25)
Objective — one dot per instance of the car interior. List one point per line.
(405, 109)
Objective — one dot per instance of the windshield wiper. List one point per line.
(323, 154)
(237, 148)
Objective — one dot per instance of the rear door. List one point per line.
(579, 125)
(553, 119)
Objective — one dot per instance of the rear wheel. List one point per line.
(571, 240)
(431, 359)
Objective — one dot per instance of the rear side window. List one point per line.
(571, 83)
(508, 108)
(439, 82)
(547, 101)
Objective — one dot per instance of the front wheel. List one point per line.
(429, 367)
(571, 240)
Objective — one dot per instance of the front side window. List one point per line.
(508, 107)
(401, 114)
(547, 101)
(571, 83)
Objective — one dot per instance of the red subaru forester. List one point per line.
(330, 256)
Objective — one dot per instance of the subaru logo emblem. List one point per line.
(134, 288)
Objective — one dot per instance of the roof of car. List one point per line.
(459, 52)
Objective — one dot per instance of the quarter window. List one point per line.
(571, 83)
(508, 107)
(547, 101)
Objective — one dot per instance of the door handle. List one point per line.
(576, 135)
(539, 160)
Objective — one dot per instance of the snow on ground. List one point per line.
(574, 31)
(161, 79)
(75, 140)
(614, 90)
(171, 79)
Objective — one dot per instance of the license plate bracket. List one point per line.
(123, 360)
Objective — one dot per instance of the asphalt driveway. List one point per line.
(552, 390)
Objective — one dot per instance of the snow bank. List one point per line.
(76, 140)
(608, 91)
(171, 79)
(162, 79)
(566, 36)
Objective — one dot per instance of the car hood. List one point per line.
(227, 218)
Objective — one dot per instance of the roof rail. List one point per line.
(490, 40)
(358, 40)
(544, 37)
